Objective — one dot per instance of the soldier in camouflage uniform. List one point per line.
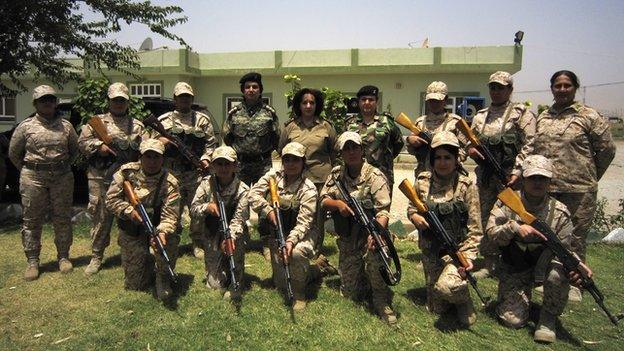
(522, 249)
(195, 130)
(104, 161)
(43, 148)
(436, 120)
(234, 193)
(381, 137)
(358, 265)
(298, 200)
(454, 198)
(507, 129)
(158, 191)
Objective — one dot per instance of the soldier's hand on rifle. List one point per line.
(475, 154)
(419, 222)
(512, 180)
(228, 246)
(462, 270)
(104, 150)
(136, 217)
(576, 276)
(164, 140)
(289, 248)
(527, 232)
(343, 208)
(163, 240)
(416, 141)
(204, 164)
(212, 209)
(272, 218)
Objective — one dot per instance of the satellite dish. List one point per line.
(147, 45)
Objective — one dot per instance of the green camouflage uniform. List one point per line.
(43, 150)
(137, 262)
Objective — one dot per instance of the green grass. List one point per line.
(74, 312)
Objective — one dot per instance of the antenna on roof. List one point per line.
(146, 45)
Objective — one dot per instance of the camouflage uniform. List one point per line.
(43, 150)
(382, 142)
(358, 267)
(126, 133)
(298, 207)
(579, 143)
(137, 262)
(253, 131)
(520, 258)
(456, 203)
(235, 197)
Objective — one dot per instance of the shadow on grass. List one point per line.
(413, 257)
(180, 289)
(418, 296)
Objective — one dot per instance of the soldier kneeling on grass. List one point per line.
(158, 191)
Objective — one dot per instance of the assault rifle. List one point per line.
(281, 239)
(153, 122)
(490, 160)
(570, 261)
(148, 226)
(225, 231)
(437, 227)
(383, 242)
(403, 120)
(102, 133)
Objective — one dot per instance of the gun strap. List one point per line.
(505, 118)
(156, 204)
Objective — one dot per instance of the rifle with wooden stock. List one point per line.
(225, 232)
(281, 238)
(490, 160)
(99, 128)
(570, 261)
(436, 226)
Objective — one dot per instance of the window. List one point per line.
(7, 110)
(465, 104)
(146, 90)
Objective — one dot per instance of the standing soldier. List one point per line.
(381, 137)
(195, 130)
(157, 190)
(436, 120)
(104, 161)
(507, 129)
(43, 148)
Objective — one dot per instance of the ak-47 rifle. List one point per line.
(403, 120)
(102, 133)
(148, 226)
(436, 226)
(153, 122)
(490, 160)
(225, 232)
(570, 261)
(281, 238)
(383, 242)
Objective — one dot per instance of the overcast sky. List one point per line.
(586, 37)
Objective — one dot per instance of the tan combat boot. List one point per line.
(94, 266)
(545, 330)
(466, 314)
(198, 252)
(325, 267)
(163, 287)
(32, 271)
(65, 265)
(299, 305)
(386, 313)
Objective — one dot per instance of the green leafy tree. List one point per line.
(38, 35)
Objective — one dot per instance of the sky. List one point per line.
(586, 37)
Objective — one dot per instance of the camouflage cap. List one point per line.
(436, 91)
(152, 145)
(537, 165)
(42, 91)
(444, 138)
(182, 88)
(349, 136)
(118, 90)
(224, 152)
(501, 77)
(294, 148)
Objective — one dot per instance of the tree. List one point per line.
(37, 36)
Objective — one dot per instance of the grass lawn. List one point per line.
(78, 313)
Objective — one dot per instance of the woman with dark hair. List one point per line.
(318, 136)
(578, 141)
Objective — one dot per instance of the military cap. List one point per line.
(152, 145)
(368, 90)
(537, 165)
(436, 91)
(224, 152)
(501, 77)
(182, 88)
(294, 148)
(42, 91)
(118, 90)
(349, 136)
(444, 138)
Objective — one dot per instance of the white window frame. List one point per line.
(4, 118)
(145, 89)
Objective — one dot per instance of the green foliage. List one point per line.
(602, 224)
(41, 34)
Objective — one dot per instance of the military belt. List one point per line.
(60, 166)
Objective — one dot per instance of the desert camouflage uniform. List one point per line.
(434, 124)
(508, 132)
(520, 258)
(298, 205)
(137, 262)
(235, 197)
(456, 203)
(253, 132)
(127, 134)
(196, 131)
(382, 141)
(43, 150)
(579, 143)
(358, 267)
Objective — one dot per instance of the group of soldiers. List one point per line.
(553, 161)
